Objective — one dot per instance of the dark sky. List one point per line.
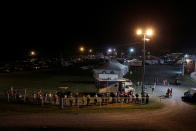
(53, 27)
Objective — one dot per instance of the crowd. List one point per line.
(69, 99)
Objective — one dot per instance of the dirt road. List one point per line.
(176, 115)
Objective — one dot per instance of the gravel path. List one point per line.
(176, 115)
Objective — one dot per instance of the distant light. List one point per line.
(139, 32)
(82, 49)
(90, 50)
(131, 50)
(114, 49)
(32, 53)
(109, 50)
(186, 55)
(149, 32)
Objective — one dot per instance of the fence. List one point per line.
(64, 100)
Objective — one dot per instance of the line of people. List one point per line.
(59, 98)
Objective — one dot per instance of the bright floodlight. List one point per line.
(109, 50)
(139, 32)
(131, 50)
(149, 32)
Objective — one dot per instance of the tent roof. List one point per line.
(113, 65)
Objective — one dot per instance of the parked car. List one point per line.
(190, 95)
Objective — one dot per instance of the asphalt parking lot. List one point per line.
(165, 72)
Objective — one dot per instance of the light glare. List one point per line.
(149, 32)
(139, 32)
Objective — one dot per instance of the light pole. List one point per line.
(184, 60)
(148, 33)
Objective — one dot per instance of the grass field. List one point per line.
(76, 80)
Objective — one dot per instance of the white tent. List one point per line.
(112, 67)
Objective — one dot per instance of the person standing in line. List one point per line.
(137, 99)
(125, 97)
(113, 98)
(50, 97)
(143, 98)
(65, 99)
(34, 97)
(83, 99)
(118, 95)
(88, 100)
(38, 96)
(95, 99)
(132, 98)
(45, 97)
(147, 98)
(107, 98)
(55, 98)
(70, 100)
(76, 99)
(129, 98)
(102, 98)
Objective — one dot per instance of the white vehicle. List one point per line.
(129, 89)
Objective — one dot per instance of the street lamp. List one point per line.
(82, 49)
(148, 32)
(183, 61)
(131, 50)
(32, 53)
(109, 50)
(90, 50)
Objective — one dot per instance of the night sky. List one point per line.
(51, 28)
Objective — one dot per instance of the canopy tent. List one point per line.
(112, 67)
